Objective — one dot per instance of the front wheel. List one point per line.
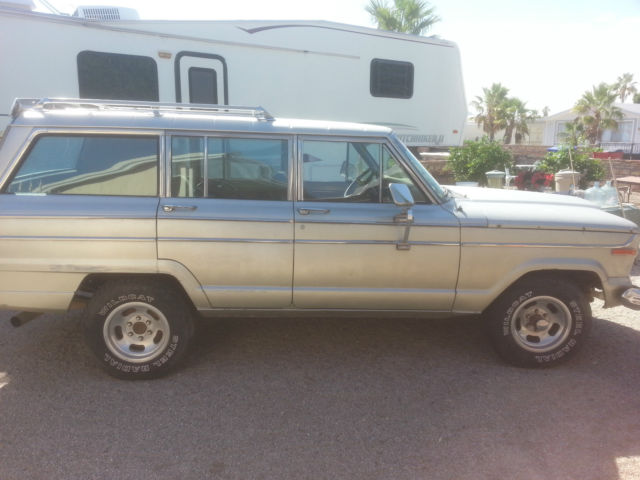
(539, 322)
(138, 330)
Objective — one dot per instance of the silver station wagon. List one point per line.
(150, 215)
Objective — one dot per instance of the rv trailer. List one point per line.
(307, 69)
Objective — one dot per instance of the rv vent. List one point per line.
(106, 13)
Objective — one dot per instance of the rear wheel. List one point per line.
(539, 322)
(138, 330)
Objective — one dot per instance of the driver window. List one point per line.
(393, 172)
(341, 171)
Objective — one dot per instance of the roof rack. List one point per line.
(22, 104)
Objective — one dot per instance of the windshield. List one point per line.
(419, 169)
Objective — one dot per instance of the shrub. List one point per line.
(471, 161)
(590, 168)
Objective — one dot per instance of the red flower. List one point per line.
(536, 181)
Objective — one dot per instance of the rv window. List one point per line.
(114, 76)
(391, 79)
(203, 85)
(89, 165)
(235, 168)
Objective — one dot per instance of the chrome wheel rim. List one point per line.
(136, 332)
(541, 324)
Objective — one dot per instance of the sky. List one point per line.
(546, 52)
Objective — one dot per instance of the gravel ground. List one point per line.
(323, 399)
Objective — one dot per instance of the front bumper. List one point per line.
(631, 298)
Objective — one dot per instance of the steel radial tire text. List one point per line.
(138, 329)
(539, 322)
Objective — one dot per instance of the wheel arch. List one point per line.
(585, 280)
(94, 281)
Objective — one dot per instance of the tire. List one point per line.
(138, 330)
(539, 322)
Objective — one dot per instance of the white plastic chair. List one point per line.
(508, 178)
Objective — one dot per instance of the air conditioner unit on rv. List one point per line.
(94, 12)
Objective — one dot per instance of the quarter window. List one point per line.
(231, 168)
(115, 76)
(391, 79)
(89, 165)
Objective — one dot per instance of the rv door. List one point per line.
(201, 78)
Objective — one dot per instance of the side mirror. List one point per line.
(401, 195)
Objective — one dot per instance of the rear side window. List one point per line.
(115, 76)
(231, 168)
(391, 79)
(89, 165)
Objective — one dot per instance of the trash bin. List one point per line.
(495, 178)
(564, 180)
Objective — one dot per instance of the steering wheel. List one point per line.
(359, 184)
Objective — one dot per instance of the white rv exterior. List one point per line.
(317, 70)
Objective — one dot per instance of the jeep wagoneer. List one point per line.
(149, 215)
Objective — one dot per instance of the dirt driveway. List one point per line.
(322, 399)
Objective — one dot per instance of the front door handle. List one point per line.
(174, 208)
(313, 211)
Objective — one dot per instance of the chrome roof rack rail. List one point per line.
(22, 104)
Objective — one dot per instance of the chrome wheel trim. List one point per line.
(541, 324)
(136, 332)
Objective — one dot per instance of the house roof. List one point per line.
(629, 110)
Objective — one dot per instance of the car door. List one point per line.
(349, 251)
(228, 217)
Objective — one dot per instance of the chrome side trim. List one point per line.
(375, 242)
(39, 216)
(372, 290)
(543, 245)
(223, 240)
(311, 242)
(315, 220)
(223, 219)
(60, 238)
(248, 289)
(310, 312)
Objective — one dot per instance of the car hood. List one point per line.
(494, 207)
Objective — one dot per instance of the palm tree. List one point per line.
(491, 109)
(406, 16)
(521, 128)
(597, 111)
(517, 116)
(625, 86)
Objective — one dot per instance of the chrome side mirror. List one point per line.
(401, 196)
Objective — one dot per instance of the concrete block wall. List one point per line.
(622, 168)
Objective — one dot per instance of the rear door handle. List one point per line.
(313, 211)
(175, 208)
